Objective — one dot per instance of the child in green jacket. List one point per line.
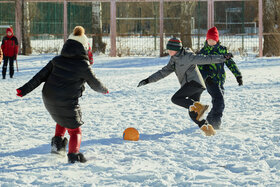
(214, 76)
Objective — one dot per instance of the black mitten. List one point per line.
(228, 56)
(239, 80)
(143, 82)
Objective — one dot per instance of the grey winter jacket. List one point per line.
(184, 64)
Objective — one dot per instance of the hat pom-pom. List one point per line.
(78, 31)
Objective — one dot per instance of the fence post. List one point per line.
(65, 20)
(18, 19)
(113, 31)
(260, 28)
(210, 11)
(161, 26)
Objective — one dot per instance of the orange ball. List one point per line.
(131, 134)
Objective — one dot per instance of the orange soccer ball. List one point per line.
(131, 134)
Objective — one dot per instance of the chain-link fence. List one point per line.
(138, 24)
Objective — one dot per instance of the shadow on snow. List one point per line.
(45, 148)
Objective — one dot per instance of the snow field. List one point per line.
(171, 151)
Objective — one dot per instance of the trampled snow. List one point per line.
(171, 151)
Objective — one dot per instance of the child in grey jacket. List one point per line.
(184, 63)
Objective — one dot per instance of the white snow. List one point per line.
(171, 151)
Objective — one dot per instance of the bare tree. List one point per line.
(97, 44)
(26, 44)
(271, 23)
(187, 10)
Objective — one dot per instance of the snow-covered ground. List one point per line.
(171, 151)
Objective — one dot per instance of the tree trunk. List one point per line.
(271, 24)
(26, 44)
(187, 9)
(97, 44)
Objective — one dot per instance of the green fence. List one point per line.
(138, 24)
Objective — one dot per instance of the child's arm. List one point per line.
(199, 59)
(164, 72)
(16, 48)
(40, 77)
(93, 82)
(233, 67)
(235, 71)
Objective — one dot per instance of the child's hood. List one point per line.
(74, 49)
(10, 30)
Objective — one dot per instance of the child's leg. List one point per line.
(4, 69)
(187, 94)
(59, 142)
(11, 63)
(185, 97)
(75, 140)
(59, 130)
(193, 116)
(218, 104)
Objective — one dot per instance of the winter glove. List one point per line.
(239, 80)
(106, 92)
(228, 56)
(19, 93)
(143, 82)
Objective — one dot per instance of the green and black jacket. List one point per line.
(216, 71)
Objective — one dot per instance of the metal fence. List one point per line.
(140, 27)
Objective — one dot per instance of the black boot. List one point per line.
(59, 145)
(76, 157)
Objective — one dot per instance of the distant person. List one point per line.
(64, 77)
(215, 76)
(184, 63)
(10, 50)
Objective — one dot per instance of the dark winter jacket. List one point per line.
(9, 46)
(64, 78)
(216, 72)
(184, 64)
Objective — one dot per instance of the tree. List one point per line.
(26, 44)
(271, 23)
(97, 44)
(187, 10)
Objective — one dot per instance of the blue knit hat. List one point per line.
(174, 44)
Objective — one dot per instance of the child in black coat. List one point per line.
(64, 77)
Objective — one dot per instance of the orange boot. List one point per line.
(200, 109)
(208, 129)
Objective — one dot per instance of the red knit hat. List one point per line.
(213, 34)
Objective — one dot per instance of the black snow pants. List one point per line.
(186, 96)
(218, 104)
(5, 65)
